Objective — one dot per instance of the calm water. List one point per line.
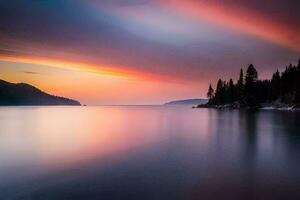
(148, 153)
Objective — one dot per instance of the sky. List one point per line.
(110, 52)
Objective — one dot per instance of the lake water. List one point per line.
(148, 152)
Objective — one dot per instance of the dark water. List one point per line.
(148, 153)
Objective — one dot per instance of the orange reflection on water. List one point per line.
(57, 137)
(92, 133)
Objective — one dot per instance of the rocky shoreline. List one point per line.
(266, 106)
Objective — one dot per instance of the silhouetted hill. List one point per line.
(25, 94)
(187, 102)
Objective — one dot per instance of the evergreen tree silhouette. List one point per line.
(220, 90)
(240, 86)
(231, 92)
(275, 86)
(250, 86)
(250, 91)
(251, 75)
(210, 92)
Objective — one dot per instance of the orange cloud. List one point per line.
(80, 67)
(239, 19)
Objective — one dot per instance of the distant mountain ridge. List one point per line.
(187, 102)
(25, 94)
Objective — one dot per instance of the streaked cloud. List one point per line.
(30, 72)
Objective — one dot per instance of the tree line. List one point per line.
(250, 91)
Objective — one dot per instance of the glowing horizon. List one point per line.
(78, 66)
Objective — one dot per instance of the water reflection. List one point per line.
(148, 153)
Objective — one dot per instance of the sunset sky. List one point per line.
(143, 51)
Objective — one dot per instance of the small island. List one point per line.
(22, 94)
(281, 92)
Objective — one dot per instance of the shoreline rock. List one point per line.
(235, 106)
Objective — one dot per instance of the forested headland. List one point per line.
(283, 89)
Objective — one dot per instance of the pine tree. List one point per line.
(250, 86)
(220, 92)
(275, 86)
(240, 86)
(251, 75)
(241, 79)
(210, 92)
(231, 96)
